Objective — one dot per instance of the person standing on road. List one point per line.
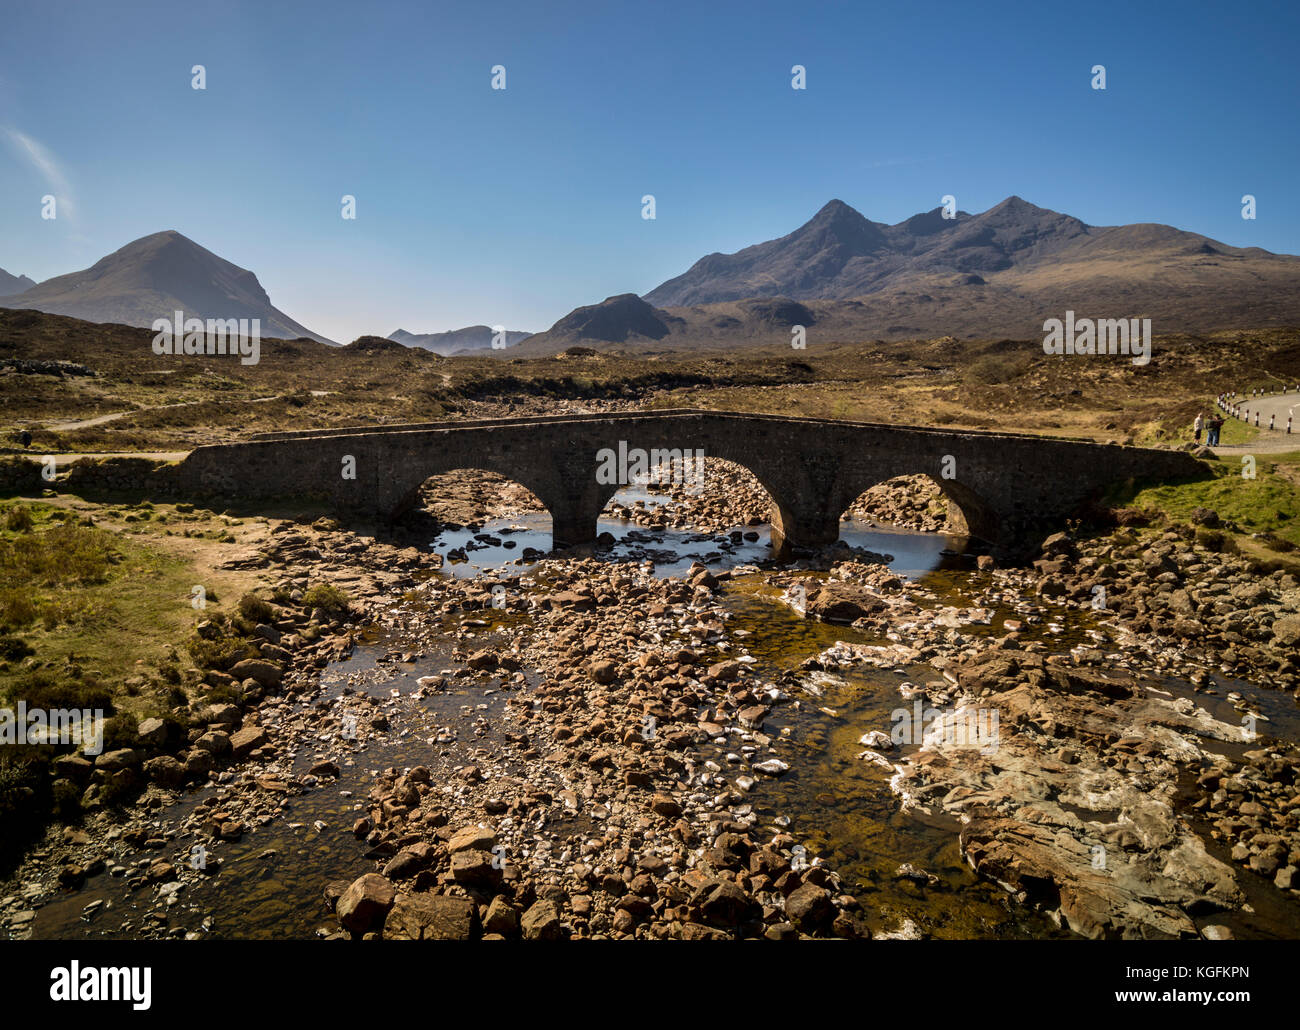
(1212, 430)
(1198, 425)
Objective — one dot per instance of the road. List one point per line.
(1281, 407)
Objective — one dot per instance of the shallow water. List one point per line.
(841, 808)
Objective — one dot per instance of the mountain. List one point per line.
(457, 341)
(840, 254)
(154, 277)
(615, 319)
(14, 283)
(1000, 273)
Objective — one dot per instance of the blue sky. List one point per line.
(515, 206)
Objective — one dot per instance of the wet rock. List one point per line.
(843, 603)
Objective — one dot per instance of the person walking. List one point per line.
(1198, 425)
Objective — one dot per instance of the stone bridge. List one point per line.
(1007, 489)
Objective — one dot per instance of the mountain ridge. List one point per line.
(14, 284)
(153, 277)
(1001, 272)
(466, 340)
(840, 254)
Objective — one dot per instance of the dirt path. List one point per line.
(99, 420)
(62, 459)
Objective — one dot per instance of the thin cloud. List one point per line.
(46, 165)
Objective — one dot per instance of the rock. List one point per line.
(267, 674)
(1059, 545)
(810, 908)
(365, 903)
(152, 734)
(1286, 631)
(403, 865)
(244, 742)
(430, 917)
(542, 923)
(115, 761)
(73, 767)
(843, 603)
(214, 742)
(472, 838)
(664, 805)
(165, 771)
(199, 762)
(482, 660)
(502, 917)
(727, 905)
(475, 869)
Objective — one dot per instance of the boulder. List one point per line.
(249, 739)
(366, 903)
(430, 917)
(267, 674)
(810, 908)
(542, 923)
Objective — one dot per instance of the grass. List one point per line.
(113, 605)
(327, 597)
(1267, 504)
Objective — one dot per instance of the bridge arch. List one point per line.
(968, 513)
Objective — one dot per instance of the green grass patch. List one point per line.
(77, 596)
(1269, 503)
(326, 596)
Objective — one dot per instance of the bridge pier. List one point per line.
(573, 518)
(805, 524)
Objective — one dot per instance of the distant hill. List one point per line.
(457, 341)
(1000, 273)
(14, 283)
(155, 276)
